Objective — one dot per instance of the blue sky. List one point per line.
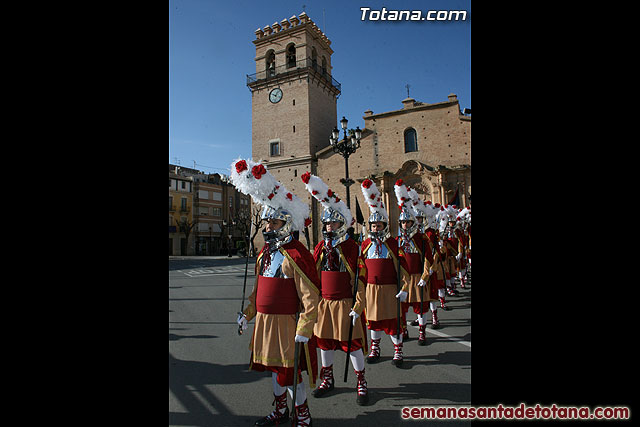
(211, 52)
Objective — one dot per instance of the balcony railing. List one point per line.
(290, 68)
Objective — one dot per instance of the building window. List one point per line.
(217, 211)
(270, 64)
(275, 148)
(291, 56)
(410, 140)
(183, 205)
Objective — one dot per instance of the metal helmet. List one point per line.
(419, 214)
(331, 215)
(407, 214)
(378, 217)
(279, 235)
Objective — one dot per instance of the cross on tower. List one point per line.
(407, 86)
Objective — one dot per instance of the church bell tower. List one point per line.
(293, 100)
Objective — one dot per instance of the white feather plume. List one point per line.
(402, 195)
(373, 198)
(320, 191)
(252, 178)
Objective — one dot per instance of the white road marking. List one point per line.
(216, 271)
(440, 334)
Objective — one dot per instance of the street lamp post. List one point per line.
(224, 230)
(345, 148)
(210, 241)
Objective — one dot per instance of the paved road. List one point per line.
(209, 380)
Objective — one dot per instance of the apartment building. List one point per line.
(180, 212)
(217, 214)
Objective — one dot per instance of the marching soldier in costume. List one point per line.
(463, 220)
(452, 246)
(413, 247)
(431, 212)
(285, 296)
(420, 212)
(337, 259)
(448, 248)
(434, 272)
(383, 268)
(420, 254)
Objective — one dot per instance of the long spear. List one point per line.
(422, 287)
(244, 286)
(296, 355)
(353, 303)
(397, 292)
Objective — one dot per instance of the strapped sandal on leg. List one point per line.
(397, 355)
(374, 355)
(435, 323)
(405, 333)
(363, 391)
(303, 417)
(327, 384)
(280, 415)
(442, 304)
(422, 338)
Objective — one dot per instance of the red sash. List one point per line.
(276, 296)
(336, 285)
(381, 271)
(414, 260)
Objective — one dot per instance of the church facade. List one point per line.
(294, 98)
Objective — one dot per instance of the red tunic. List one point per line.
(381, 279)
(334, 321)
(274, 302)
(415, 262)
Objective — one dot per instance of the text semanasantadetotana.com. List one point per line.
(516, 413)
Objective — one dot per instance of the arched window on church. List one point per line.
(410, 140)
(314, 59)
(324, 66)
(291, 56)
(270, 63)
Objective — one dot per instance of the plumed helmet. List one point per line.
(405, 205)
(419, 209)
(377, 210)
(445, 215)
(334, 208)
(431, 211)
(253, 178)
(464, 217)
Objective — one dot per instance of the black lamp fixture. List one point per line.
(345, 147)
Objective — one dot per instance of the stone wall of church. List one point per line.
(441, 164)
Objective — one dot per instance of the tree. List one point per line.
(185, 227)
(243, 221)
(256, 223)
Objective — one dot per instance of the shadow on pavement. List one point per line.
(190, 381)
